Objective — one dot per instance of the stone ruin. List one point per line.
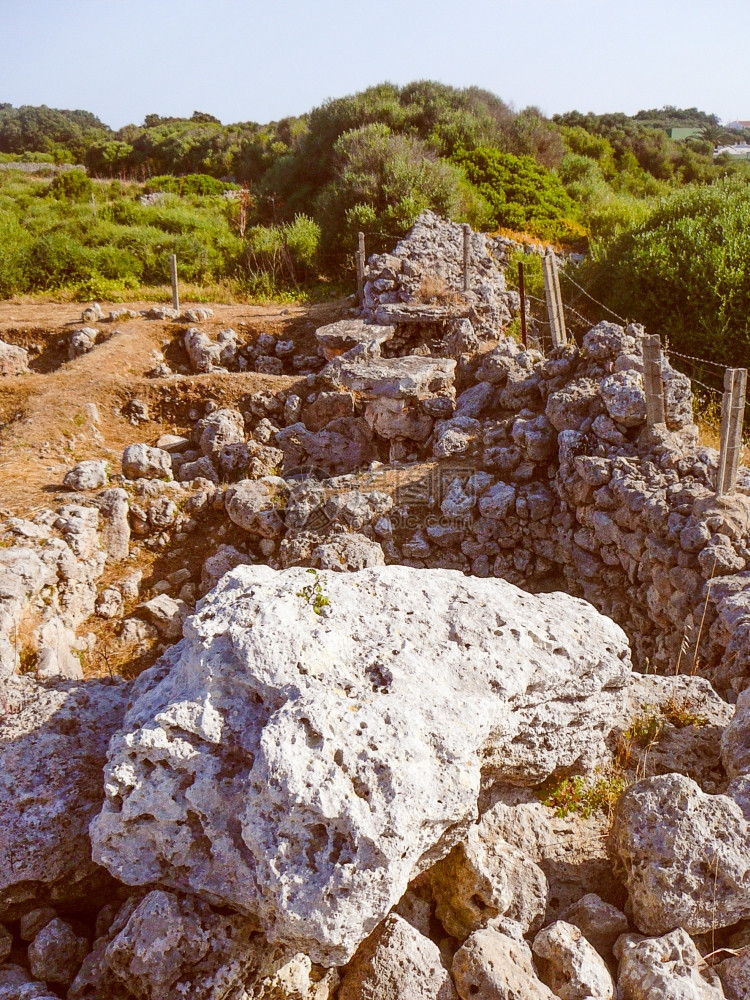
(328, 785)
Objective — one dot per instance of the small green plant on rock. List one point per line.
(313, 593)
(583, 796)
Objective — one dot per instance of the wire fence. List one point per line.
(701, 371)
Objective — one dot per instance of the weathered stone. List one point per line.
(92, 313)
(220, 428)
(457, 436)
(600, 922)
(201, 468)
(393, 378)
(17, 984)
(570, 965)
(734, 973)
(606, 341)
(33, 921)
(670, 842)
(396, 418)
(319, 865)
(52, 748)
(348, 553)
(625, 397)
(327, 406)
(493, 966)
(336, 338)
(474, 400)
(341, 447)
(139, 461)
(396, 963)
(735, 740)
(665, 968)
(88, 475)
(82, 341)
(483, 877)
(498, 502)
(168, 947)
(6, 944)
(255, 506)
(167, 614)
(567, 408)
(56, 953)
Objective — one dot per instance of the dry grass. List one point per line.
(434, 290)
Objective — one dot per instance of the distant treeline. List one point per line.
(658, 217)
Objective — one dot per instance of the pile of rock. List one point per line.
(323, 792)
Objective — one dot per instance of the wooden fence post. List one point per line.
(175, 290)
(554, 299)
(360, 257)
(467, 237)
(522, 296)
(732, 416)
(652, 381)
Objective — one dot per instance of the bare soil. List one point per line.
(46, 424)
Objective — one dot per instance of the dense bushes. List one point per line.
(521, 194)
(684, 272)
(380, 184)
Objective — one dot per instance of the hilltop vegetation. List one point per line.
(371, 162)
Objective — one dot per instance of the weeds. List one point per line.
(648, 727)
(313, 593)
(584, 796)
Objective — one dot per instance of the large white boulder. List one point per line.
(315, 742)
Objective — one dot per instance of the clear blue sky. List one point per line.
(260, 61)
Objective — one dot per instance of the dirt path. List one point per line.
(67, 411)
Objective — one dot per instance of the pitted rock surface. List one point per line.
(304, 763)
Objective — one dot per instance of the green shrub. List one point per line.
(74, 185)
(684, 272)
(522, 195)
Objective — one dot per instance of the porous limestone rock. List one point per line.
(114, 527)
(347, 553)
(664, 968)
(412, 377)
(17, 984)
(140, 461)
(492, 966)
(396, 963)
(683, 855)
(56, 952)
(52, 749)
(483, 877)
(600, 922)
(219, 429)
(89, 475)
(33, 921)
(6, 944)
(735, 740)
(255, 506)
(204, 354)
(166, 946)
(336, 338)
(167, 614)
(734, 973)
(570, 965)
(82, 341)
(326, 760)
